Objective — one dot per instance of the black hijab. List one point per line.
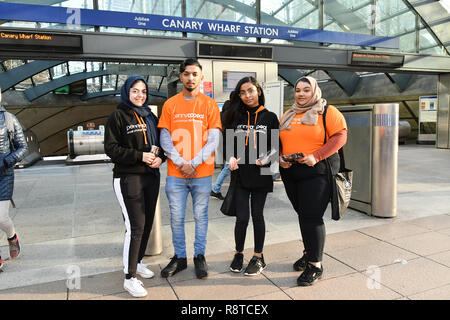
(143, 111)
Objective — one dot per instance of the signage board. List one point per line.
(40, 41)
(231, 78)
(427, 119)
(75, 17)
(375, 59)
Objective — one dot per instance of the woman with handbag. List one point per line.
(250, 124)
(304, 170)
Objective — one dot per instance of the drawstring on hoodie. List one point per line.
(141, 122)
(248, 126)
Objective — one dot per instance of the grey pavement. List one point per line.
(68, 220)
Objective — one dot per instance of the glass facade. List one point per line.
(416, 32)
(393, 18)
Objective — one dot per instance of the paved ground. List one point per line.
(68, 220)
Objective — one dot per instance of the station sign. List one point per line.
(40, 41)
(75, 17)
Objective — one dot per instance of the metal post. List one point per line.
(385, 160)
(155, 243)
(417, 45)
(320, 12)
(95, 2)
(258, 15)
(183, 14)
(443, 114)
(373, 17)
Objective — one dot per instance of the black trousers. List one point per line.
(308, 189)
(257, 200)
(137, 195)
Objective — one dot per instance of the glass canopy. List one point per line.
(419, 25)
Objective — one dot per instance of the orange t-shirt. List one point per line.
(309, 138)
(188, 122)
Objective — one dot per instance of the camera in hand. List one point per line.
(292, 157)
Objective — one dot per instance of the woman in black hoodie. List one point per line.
(132, 143)
(249, 131)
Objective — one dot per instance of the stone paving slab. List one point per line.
(357, 266)
(69, 216)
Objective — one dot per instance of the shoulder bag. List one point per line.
(341, 182)
(228, 207)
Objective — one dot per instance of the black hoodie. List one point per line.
(124, 143)
(249, 174)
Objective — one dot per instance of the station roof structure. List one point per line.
(420, 25)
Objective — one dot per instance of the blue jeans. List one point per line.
(221, 178)
(177, 190)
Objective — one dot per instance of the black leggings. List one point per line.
(258, 199)
(308, 189)
(137, 195)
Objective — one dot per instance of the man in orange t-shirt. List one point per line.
(190, 129)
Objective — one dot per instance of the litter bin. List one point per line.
(372, 153)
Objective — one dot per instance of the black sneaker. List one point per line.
(301, 263)
(175, 265)
(310, 275)
(255, 266)
(201, 268)
(217, 195)
(236, 264)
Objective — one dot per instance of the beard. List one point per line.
(190, 89)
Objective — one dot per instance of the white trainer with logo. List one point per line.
(144, 272)
(135, 287)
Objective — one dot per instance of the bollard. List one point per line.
(155, 245)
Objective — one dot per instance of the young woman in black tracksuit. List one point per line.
(252, 125)
(130, 136)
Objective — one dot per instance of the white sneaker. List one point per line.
(135, 287)
(144, 272)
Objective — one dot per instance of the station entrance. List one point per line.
(68, 89)
(85, 85)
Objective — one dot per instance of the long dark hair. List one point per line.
(236, 103)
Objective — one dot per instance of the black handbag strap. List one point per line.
(341, 150)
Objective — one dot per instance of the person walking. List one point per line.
(252, 125)
(13, 148)
(132, 143)
(305, 176)
(190, 132)
(225, 172)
